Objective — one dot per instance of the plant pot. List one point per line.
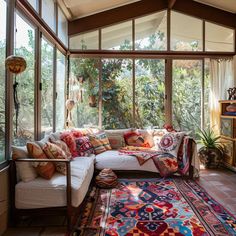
(210, 157)
(92, 101)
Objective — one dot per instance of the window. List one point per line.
(117, 37)
(47, 87)
(84, 91)
(62, 27)
(85, 41)
(186, 33)
(3, 11)
(23, 126)
(60, 91)
(187, 77)
(151, 32)
(117, 102)
(34, 4)
(149, 92)
(48, 13)
(219, 38)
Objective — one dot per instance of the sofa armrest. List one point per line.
(68, 175)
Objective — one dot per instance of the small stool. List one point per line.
(106, 179)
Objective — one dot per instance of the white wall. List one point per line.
(4, 183)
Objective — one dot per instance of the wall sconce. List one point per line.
(15, 65)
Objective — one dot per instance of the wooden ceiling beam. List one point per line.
(171, 3)
(205, 12)
(116, 15)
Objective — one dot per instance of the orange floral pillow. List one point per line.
(44, 169)
(54, 152)
(134, 138)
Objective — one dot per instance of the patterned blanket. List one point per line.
(166, 163)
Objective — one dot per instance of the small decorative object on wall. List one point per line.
(70, 103)
(232, 93)
(15, 65)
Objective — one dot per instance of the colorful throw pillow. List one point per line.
(116, 140)
(84, 146)
(147, 136)
(54, 152)
(157, 136)
(134, 138)
(63, 146)
(170, 142)
(44, 169)
(69, 139)
(25, 170)
(100, 142)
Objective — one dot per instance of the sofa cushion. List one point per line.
(41, 193)
(69, 139)
(25, 170)
(100, 142)
(113, 160)
(134, 138)
(147, 136)
(55, 152)
(63, 146)
(83, 146)
(170, 142)
(44, 169)
(116, 140)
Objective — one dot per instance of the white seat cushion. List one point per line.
(42, 193)
(112, 159)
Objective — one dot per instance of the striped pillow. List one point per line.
(100, 142)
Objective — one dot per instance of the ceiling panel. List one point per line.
(82, 8)
(227, 5)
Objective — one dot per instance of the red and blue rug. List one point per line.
(152, 207)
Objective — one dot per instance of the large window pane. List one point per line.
(34, 4)
(186, 33)
(84, 90)
(23, 124)
(117, 37)
(3, 9)
(187, 76)
(84, 41)
(62, 27)
(219, 38)
(149, 92)
(60, 90)
(151, 32)
(47, 87)
(48, 13)
(117, 93)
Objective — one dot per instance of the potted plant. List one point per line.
(211, 153)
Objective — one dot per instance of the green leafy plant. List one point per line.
(209, 139)
(211, 153)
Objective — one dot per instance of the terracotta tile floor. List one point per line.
(220, 184)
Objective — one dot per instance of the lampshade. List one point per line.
(15, 64)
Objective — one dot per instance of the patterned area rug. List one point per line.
(151, 207)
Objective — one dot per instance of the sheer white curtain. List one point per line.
(222, 78)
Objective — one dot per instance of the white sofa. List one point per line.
(70, 190)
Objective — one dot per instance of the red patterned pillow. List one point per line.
(83, 146)
(69, 139)
(44, 169)
(170, 142)
(134, 138)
